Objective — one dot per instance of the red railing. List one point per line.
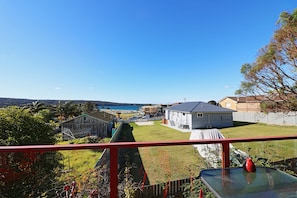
(115, 146)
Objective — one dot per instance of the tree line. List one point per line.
(61, 111)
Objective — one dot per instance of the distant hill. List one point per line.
(4, 102)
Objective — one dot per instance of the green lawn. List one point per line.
(78, 164)
(176, 162)
(273, 150)
(257, 130)
(166, 163)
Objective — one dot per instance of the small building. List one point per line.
(242, 104)
(257, 103)
(98, 124)
(151, 110)
(198, 115)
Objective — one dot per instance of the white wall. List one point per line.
(279, 118)
(209, 120)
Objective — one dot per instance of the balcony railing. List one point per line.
(114, 147)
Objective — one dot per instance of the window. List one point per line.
(199, 115)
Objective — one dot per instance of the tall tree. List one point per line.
(274, 72)
(35, 106)
(89, 107)
(26, 174)
(66, 110)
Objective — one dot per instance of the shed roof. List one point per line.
(199, 107)
(104, 116)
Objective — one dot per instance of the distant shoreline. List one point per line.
(115, 111)
(120, 107)
(4, 102)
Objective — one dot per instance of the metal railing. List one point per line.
(114, 147)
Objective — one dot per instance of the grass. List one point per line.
(166, 163)
(78, 163)
(176, 162)
(257, 130)
(79, 160)
(273, 150)
(126, 116)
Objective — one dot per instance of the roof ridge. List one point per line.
(195, 106)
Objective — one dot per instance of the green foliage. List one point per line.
(89, 107)
(193, 188)
(19, 127)
(66, 110)
(35, 107)
(45, 114)
(127, 186)
(95, 182)
(26, 174)
(89, 140)
(79, 141)
(246, 68)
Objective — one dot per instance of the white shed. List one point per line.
(198, 115)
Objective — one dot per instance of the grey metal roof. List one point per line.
(199, 107)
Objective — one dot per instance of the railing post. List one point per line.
(225, 155)
(113, 172)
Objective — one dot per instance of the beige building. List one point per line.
(242, 104)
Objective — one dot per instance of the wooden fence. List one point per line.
(172, 188)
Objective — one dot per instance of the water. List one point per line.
(121, 107)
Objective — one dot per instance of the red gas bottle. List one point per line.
(249, 165)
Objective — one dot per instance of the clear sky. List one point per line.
(134, 51)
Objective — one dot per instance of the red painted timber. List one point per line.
(225, 155)
(137, 144)
(114, 172)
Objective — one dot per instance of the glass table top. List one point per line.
(236, 182)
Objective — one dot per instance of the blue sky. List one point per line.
(134, 51)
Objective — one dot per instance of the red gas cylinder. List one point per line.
(249, 165)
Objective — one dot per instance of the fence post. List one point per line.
(225, 155)
(113, 172)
